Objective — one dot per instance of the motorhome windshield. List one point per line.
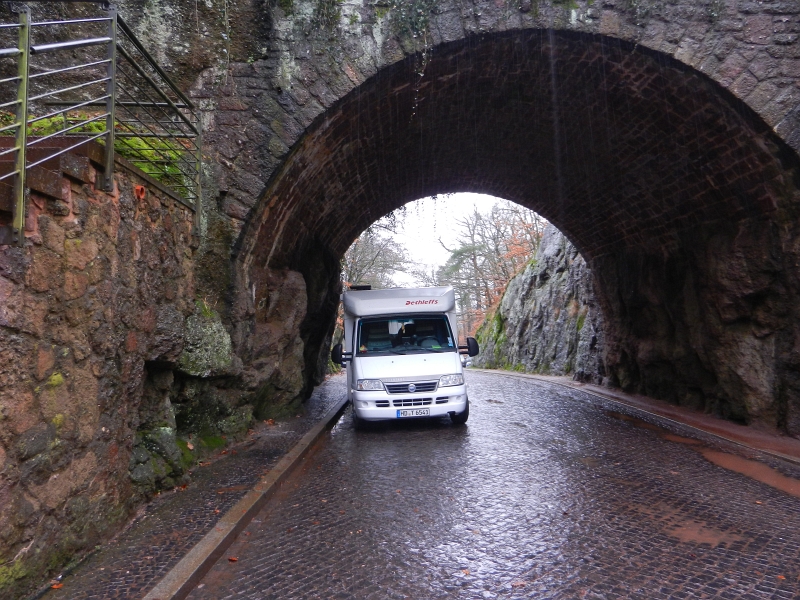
(404, 335)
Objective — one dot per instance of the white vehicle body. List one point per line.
(402, 349)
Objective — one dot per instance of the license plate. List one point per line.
(414, 412)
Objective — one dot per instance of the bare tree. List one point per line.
(373, 259)
(490, 250)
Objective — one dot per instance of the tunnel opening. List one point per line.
(682, 201)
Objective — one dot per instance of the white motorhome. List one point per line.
(404, 360)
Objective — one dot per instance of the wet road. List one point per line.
(545, 493)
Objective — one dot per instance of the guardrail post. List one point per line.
(21, 142)
(111, 90)
(198, 173)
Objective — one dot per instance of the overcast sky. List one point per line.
(429, 219)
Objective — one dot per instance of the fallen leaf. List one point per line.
(224, 452)
(232, 558)
(315, 523)
(465, 571)
(270, 421)
(190, 445)
(216, 511)
(323, 500)
(758, 501)
(673, 472)
(57, 586)
(781, 577)
(399, 491)
(341, 512)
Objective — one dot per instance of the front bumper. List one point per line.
(379, 405)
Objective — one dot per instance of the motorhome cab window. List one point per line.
(404, 335)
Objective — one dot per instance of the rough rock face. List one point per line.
(548, 320)
(97, 296)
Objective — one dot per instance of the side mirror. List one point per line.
(472, 346)
(339, 357)
(336, 354)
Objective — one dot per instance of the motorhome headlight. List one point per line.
(369, 384)
(448, 380)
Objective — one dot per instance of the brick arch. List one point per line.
(679, 196)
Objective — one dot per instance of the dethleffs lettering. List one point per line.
(416, 302)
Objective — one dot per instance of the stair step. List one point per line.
(91, 150)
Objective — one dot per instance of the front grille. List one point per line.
(402, 388)
(413, 402)
(382, 403)
(442, 399)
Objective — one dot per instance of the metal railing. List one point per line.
(85, 80)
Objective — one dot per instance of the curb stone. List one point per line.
(189, 571)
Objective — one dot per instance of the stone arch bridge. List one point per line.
(662, 136)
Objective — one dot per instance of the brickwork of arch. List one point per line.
(679, 196)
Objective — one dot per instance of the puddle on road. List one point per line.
(744, 466)
(681, 440)
(754, 470)
(672, 522)
(694, 532)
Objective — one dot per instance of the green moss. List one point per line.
(55, 380)
(581, 320)
(212, 442)
(11, 574)
(58, 421)
(327, 13)
(160, 468)
(287, 6)
(413, 17)
(333, 367)
(157, 157)
(187, 456)
(205, 309)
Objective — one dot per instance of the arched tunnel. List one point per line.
(680, 198)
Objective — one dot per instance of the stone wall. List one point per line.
(548, 320)
(92, 309)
